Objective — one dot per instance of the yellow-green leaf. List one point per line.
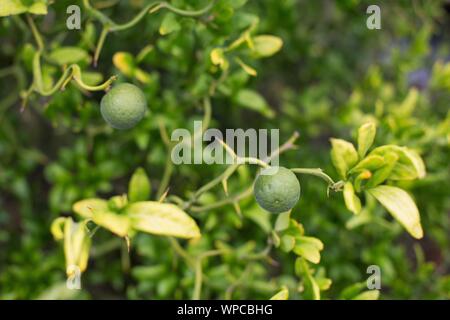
(399, 203)
(283, 294)
(367, 295)
(68, 55)
(370, 163)
(312, 287)
(57, 228)
(381, 174)
(351, 200)
(13, 7)
(287, 243)
(266, 45)
(162, 219)
(217, 57)
(92, 78)
(254, 101)
(142, 76)
(308, 251)
(76, 246)
(117, 203)
(409, 165)
(312, 241)
(116, 223)
(343, 156)
(124, 61)
(85, 208)
(282, 221)
(366, 135)
(139, 186)
(249, 70)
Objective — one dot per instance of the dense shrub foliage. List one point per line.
(370, 108)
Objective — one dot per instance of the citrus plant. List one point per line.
(85, 150)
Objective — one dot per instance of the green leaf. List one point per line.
(261, 217)
(399, 203)
(352, 201)
(68, 55)
(343, 156)
(139, 188)
(370, 163)
(302, 268)
(282, 221)
(13, 7)
(309, 248)
(352, 290)
(384, 172)
(283, 294)
(287, 243)
(76, 245)
(85, 208)
(254, 101)
(367, 295)
(357, 220)
(117, 203)
(249, 70)
(162, 219)
(409, 165)
(92, 78)
(366, 135)
(312, 241)
(116, 223)
(266, 45)
(169, 24)
(57, 228)
(124, 61)
(324, 283)
(217, 57)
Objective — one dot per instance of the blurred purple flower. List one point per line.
(419, 79)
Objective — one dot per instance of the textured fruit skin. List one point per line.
(123, 106)
(278, 192)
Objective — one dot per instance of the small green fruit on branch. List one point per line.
(123, 106)
(277, 191)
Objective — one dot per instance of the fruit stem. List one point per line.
(319, 173)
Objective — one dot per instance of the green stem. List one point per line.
(228, 172)
(184, 13)
(180, 251)
(134, 21)
(231, 169)
(72, 72)
(230, 200)
(315, 172)
(199, 272)
(168, 170)
(97, 14)
(198, 280)
(101, 42)
(37, 36)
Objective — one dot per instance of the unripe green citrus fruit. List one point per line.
(277, 192)
(123, 106)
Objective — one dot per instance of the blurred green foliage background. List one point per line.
(331, 75)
